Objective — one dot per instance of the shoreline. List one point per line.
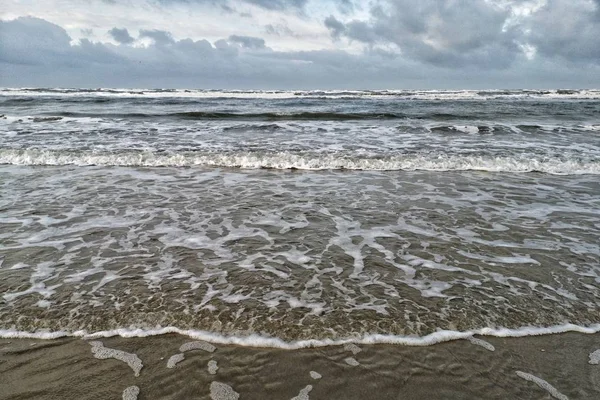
(485, 367)
(258, 341)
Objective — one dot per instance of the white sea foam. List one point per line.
(271, 342)
(303, 395)
(595, 357)
(482, 343)
(543, 384)
(212, 367)
(222, 391)
(308, 161)
(315, 375)
(197, 345)
(351, 361)
(175, 359)
(104, 353)
(131, 393)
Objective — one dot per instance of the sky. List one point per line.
(301, 44)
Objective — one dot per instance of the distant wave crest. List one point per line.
(340, 94)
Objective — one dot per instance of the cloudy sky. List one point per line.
(301, 44)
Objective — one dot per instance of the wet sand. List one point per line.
(461, 369)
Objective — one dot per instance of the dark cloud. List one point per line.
(278, 4)
(34, 52)
(248, 42)
(454, 34)
(337, 28)
(28, 40)
(160, 37)
(440, 32)
(566, 29)
(121, 35)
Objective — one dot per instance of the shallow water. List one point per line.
(296, 255)
(287, 220)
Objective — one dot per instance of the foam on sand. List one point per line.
(482, 343)
(271, 342)
(315, 375)
(595, 357)
(197, 345)
(175, 359)
(104, 353)
(543, 384)
(222, 391)
(131, 393)
(303, 395)
(351, 361)
(212, 367)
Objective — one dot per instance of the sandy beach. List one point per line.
(67, 369)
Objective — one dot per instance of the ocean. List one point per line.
(298, 231)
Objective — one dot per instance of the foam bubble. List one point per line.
(351, 361)
(303, 395)
(174, 359)
(131, 393)
(315, 375)
(104, 353)
(595, 357)
(197, 345)
(543, 384)
(222, 391)
(482, 343)
(352, 347)
(212, 367)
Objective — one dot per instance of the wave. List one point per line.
(271, 342)
(302, 161)
(581, 94)
(271, 116)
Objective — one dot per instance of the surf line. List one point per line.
(273, 342)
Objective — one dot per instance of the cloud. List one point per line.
(159, 37)
(279, 4)
(440, 32)
(566, 29)
(279, 30)
(121, 36)
(422, 50)
(337, 28)
(30, 40)
(248, 42)
(345, 6)
(453, 33)
(266, 4)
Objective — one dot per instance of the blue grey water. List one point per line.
(299, 215)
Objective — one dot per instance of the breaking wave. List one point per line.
(202, 115)
(304, 161)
